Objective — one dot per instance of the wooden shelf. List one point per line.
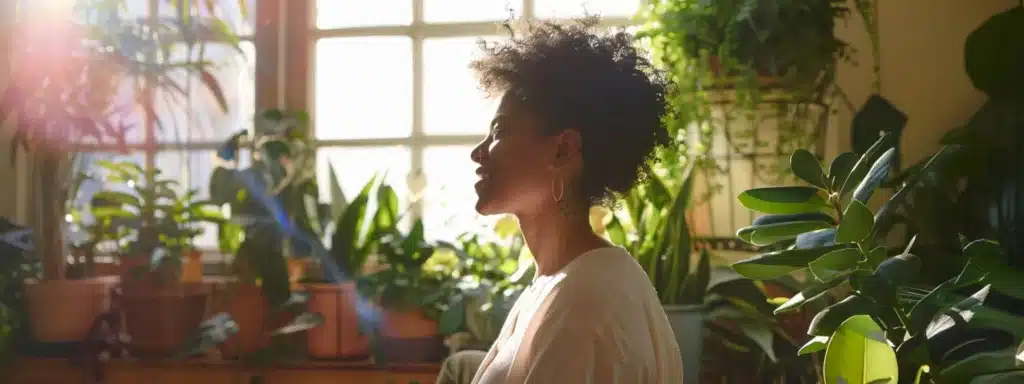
(60, 371)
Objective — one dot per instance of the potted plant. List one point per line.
(354, 240)
(490, 274)
(888, 326)
(17, 265)
(70, 99)
(271, 162)
(413, 298)
(743, 66)
(705, 303)
(160, 225)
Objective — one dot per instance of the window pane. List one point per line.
(453, 102)
(363, 87)
(355, 166)
(200, 117)
(450, 199)
(576, 8)
(347, 13)
(446, 11)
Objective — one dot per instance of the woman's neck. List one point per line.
(556, 239)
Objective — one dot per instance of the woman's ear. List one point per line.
(568, 149)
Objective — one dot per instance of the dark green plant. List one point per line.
(653, 228)
(275, 159)
(758, 74)
(838, 243)
(18, 265)
(490, 276)
(160, 226)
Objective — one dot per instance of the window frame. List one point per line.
(418, 30)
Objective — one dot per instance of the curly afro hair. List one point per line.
(599, 83)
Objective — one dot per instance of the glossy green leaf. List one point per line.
(111, 212)
(866, 161)
(812, 292)
(826, 322)
(814, 239)
(835, 263)
(791, 217)
(779, 263)
(961, 312)
(901, 269)
(858, 353)
(979, 364)
(815, 344)
(783, 200)
(211, 333)
(840, 169)
(876, 175)
(806, 166)
(856, 225)
(772, 233)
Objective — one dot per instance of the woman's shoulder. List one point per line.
(603, 280)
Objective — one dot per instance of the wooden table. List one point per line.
(60, 371)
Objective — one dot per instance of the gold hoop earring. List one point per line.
(561, 188)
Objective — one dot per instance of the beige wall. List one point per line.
(922, 66)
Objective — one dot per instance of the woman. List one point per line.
(579, 119)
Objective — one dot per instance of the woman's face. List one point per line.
(519, 164)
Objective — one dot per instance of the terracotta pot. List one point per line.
(339, 336)
(64, 310)
(407, 324)
(249, 308)
(409, 336)
(159, 319)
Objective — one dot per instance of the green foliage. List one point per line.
(779, 54)
(886, 315)
(151, 220)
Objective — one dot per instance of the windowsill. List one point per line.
(41, 370)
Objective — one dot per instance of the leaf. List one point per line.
(826, 322)
(815, 344)
(111, 212)
(976, 365)
(856, 225)
(453, 318)
(773, 233)
(961, 312)
(835, 263)
(787, 218)
(301, 323)
(987, 254)
(779, 263)
(213, 86)
(338, 202)
(879, 171)
(112, 198)
(783, 200)
(865, 163)
(762, 335)
(811, 292)
(840, 169)
(806, 166)
(211, 333)
(820, 238)
(858, 353)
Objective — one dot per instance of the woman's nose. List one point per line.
(479, 153)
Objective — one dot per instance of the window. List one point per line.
(393, 91)
(191, 127)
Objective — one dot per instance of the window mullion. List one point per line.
(416, 151)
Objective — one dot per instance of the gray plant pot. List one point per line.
(687, 323)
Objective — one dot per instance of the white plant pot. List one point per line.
(687, 323)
